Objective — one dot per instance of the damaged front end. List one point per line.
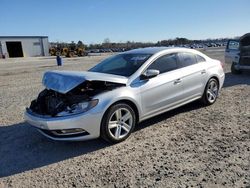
(68, 93)
(78, 100)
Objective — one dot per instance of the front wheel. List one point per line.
(118, 123)
(211, 92)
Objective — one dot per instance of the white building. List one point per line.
(24, 46)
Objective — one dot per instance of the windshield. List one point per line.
(121, 64)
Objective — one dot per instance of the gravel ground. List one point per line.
(192, 146)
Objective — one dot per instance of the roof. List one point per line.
(23, 37)
(245, 40)
(150, 50)
(244, 36)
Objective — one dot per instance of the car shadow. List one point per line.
(154, 120)
(237, 79)
(23, 148)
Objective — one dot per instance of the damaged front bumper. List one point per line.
(78, 127)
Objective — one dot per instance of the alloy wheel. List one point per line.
(212, 91)
(120, 123)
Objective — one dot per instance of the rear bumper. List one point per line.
(79, 127)
(222, 79)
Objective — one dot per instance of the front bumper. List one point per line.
(78, 127)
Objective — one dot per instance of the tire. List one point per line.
(233, 70)
(211, 92)
(118, 123)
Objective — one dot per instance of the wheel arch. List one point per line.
(216, 78)
(128, 102)
(123, 101)
(204, 99)
(132, 105)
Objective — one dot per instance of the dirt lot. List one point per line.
(192, 146)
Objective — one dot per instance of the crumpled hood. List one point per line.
(64, 81)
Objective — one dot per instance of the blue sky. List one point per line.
(121, 20)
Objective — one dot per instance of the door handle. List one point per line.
(203, 71)
(177, 81)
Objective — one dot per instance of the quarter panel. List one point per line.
(215, 70)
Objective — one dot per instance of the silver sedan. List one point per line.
(111, 98)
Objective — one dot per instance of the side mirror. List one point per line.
(150, 73)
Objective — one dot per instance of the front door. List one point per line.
(164, 90)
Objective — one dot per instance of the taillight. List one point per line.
(222, 64)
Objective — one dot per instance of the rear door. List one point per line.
(232, 51)
(194, 74)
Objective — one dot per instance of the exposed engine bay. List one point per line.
(53, 103)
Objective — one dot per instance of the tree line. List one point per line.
(107, 44)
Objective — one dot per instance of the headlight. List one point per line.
(84, 106)
(79, 108)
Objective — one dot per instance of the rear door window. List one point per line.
(187, 59)
(200, 59)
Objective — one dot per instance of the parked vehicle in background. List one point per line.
(68, 52)
(127, 88)
(238, 53)
(232, 51)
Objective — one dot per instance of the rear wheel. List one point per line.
(234, 70)
(118, 123)
(211, 92)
